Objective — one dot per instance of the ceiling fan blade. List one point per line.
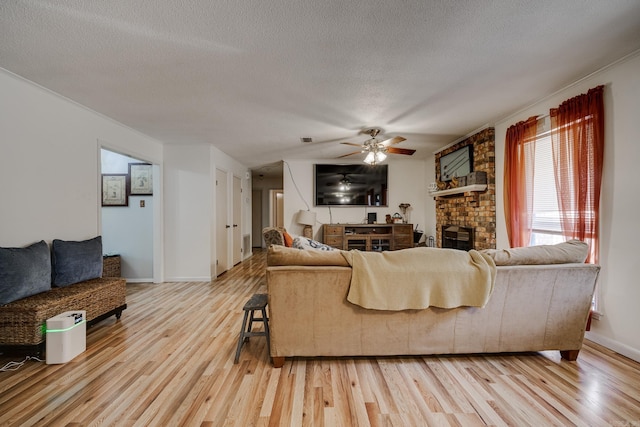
(351, 143)
(393, 140)
(350, 154)
(395, 150)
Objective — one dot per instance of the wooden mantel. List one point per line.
(459, 190)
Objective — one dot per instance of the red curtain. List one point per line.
(577, 135)
(518, 180)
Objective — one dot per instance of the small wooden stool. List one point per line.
(256, 302)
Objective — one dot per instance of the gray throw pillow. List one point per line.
(74, 262)
(24, 271)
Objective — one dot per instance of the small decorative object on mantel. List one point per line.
(441, 185)
(477, 177)
(397, 218)
(388, 219)
(454, 181)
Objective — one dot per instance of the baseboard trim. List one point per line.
(618, 347)
(143, 280)
(188, 279)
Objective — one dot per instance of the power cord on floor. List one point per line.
(14, 366)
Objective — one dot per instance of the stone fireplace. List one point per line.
(472, 210)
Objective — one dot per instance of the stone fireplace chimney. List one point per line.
(474, 210)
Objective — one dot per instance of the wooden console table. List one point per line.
(369, 237)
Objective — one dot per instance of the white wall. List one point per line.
(408, 180)
(128, 230)
(49, 163)
(188, 205)
(619, 293)
(189, 209)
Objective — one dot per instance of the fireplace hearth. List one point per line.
(456, 237)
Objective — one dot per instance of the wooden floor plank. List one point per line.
(169, 361)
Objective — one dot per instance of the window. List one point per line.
(545, 225)
(569, 158)
(553, 177)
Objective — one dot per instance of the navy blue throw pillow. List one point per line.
(74, 262)
(24, 271)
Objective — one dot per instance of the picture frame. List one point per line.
(141, 179)
(114, 189)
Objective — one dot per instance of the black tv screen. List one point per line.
(351, 185)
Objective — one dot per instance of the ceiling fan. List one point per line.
(377, 150)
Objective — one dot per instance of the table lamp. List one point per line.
(308, 219)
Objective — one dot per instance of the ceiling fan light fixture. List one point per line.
(375, 156)
(370, 158)
(376, 150)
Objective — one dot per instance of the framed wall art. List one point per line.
(141, 176)
(114, 189)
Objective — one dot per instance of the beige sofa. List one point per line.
(532, 308)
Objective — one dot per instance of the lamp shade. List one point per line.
(306, 217)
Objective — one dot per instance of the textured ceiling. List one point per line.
(253, 77)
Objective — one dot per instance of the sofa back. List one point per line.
(532, 308)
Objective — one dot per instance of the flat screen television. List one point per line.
(457, 163)
(351, 185)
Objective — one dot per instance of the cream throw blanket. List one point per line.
(420, 277)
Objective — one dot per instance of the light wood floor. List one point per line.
(169, 362)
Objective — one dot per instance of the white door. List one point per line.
(276, 217)
(256, 218)
(237, 220)
(222, 223)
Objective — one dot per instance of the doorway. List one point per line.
(237, 220)
(127, 227)
(222, 223)
(276, 218)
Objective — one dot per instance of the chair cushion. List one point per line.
(74, 262)
(24, 271)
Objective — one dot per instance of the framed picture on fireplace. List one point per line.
(457, 163)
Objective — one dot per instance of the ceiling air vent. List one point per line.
(306, 139)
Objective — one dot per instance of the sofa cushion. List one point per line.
(571, 251)
(74, 262)
(305, 243)
(281, 255)
(288, 240)
(273, 236)
(24, 271)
